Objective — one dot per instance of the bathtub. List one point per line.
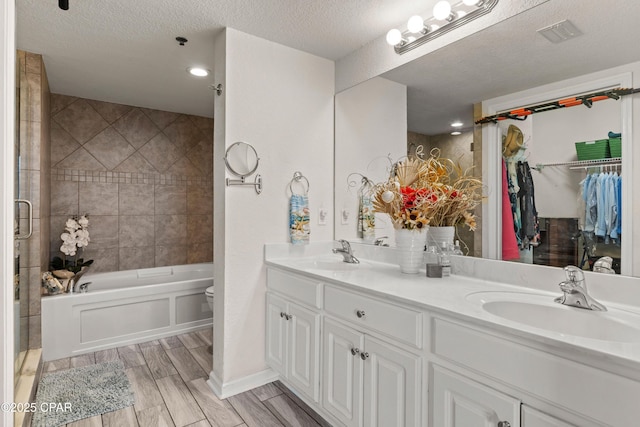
(126, 307)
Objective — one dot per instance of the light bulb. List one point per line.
(394, 37)
(454, 133)
(456, 124)
(470, 2)
(415, 24)
(442, 10)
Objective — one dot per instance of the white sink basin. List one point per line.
(540, 311)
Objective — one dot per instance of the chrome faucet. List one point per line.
(83, 287)
(380, 241)
(346, 252)
(575, 291)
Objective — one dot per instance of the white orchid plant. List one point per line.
(74, 239)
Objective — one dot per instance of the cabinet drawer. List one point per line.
(296, 287)
(398, 322)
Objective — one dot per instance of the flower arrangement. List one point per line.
(435, 192)
(74, 239)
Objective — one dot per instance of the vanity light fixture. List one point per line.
(198, 71)
(446, 17)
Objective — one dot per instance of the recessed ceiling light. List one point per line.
(456, 133)
(198, 71)
(456, 124)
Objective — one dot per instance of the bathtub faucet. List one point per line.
(83, 287)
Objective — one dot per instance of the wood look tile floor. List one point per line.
(168, 377)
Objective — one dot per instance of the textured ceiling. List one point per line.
(125, 51)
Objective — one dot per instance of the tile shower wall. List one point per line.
(143, 176)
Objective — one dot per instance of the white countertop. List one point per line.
(448, 296)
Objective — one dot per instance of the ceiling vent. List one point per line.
(560, 31)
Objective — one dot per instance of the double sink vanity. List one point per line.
(365, 345)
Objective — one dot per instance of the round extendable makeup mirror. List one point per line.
(241, 159)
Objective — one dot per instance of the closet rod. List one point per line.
(586, 100)
(582, 163)
(606, 165)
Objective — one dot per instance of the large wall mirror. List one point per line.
(504, 66)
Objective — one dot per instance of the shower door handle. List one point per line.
(30, 216)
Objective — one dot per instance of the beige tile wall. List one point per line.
(143, 176)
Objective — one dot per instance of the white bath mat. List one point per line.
(78, 393)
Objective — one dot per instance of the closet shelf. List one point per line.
(579, 164)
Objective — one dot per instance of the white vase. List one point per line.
(438, 235)
(410, 248)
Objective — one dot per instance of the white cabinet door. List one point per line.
(534, 418)
(461, 402)
(276, 333)
(303, 346)
(342, 373)
(392, 381)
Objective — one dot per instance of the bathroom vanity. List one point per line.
(365, 345)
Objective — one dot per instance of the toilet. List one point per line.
(209, 294)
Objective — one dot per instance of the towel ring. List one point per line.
(298, 177)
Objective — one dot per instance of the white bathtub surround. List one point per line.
(126, 307)
(436, 330)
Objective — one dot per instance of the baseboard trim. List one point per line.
(240, 385)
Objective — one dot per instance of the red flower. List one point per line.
(408, 197)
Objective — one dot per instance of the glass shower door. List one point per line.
(23, 226)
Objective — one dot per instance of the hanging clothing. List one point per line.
(602, 194)
(601, 225)
(611, 212)
(591, 202)
(529, 233)
(509, 243)
(618, 228)
(513, 189)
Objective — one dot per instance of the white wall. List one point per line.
(7, 121)
(371, 126)
(280, 100)
(553, 136)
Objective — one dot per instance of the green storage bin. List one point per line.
(615, 147)
(593, 150)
